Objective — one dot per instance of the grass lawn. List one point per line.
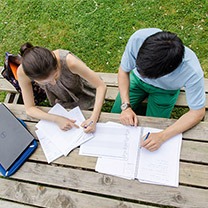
(97, 30)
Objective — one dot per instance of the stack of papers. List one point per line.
(109, 141)
(159, 167)
(56, 142)
(116, 146)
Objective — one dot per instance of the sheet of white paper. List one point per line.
(65, 141)
(50, 150)
(81, 140)
(122, 168)
(107, 141)
(162, 165)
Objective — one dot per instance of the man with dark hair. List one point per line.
(155, 65)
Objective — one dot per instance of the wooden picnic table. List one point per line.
(72, 181)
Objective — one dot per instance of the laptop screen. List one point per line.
(14, 137)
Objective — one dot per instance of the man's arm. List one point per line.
(127, 117)
(185, 122)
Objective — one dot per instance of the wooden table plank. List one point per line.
(192, 151)
(45, 196)
(9, 204)
(197, 174)
(7, 86)
(95, 183)
(190, 174)
(196, 133)
(75, 180)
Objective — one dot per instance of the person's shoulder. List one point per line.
(191, 62)
(189, 54)
(139, 36)
(189, 51)
(21, 74)
(56, 51)
(20, 70)
(71, 60)
(61, 53)
(145, 32)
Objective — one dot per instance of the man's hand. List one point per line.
(153, 142)
(128, 117)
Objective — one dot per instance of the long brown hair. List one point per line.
(37, 62)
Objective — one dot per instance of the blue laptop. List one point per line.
(16, 142)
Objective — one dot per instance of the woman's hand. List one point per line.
(89, 125)
(65, 124)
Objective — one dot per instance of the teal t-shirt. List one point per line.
(188, 74)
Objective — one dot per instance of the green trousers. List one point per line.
(160, 102)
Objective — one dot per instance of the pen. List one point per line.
(147, 136)
(91, 122)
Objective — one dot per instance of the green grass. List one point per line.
(2, 96)
(97, 30)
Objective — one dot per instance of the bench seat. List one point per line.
(112, 90)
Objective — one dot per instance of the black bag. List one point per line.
(9, 72)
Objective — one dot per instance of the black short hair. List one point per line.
(160, 54)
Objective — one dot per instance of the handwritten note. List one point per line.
(50, 150)
(159, 167)
(162, 165)
(65, 141)
(124, 168)
(111, 141)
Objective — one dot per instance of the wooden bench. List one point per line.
(12, 96)
(112, 90)
(72, 181)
